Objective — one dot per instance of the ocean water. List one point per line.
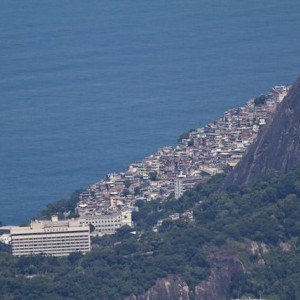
(86, 87)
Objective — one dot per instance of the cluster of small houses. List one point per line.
(203, 152)
(108, 204)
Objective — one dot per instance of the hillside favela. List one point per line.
(108, 205)
(200, 154)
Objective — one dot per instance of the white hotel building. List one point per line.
(57, 238)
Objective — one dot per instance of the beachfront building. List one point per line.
(57, 238)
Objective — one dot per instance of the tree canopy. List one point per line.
(126, 263)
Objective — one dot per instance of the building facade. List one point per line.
(183, 183)
(57, 238)
(178, 188)
(108, 223)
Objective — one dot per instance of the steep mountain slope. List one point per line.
(278, 145)
(241, 243)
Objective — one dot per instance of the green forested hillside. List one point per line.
(266, 213)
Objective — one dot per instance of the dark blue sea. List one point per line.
(86, 87)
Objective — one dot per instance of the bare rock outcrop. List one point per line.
(217, 285)
(169, 288)
(278, 145)
(224, 265)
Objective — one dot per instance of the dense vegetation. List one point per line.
(127, 263)
(260, 100)
(185, 135)
(64, 207)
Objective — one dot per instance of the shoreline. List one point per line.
(174, 169)
(200, 153)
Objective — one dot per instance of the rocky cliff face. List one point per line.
(169, 288)
(224, 265)
(278, 145)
